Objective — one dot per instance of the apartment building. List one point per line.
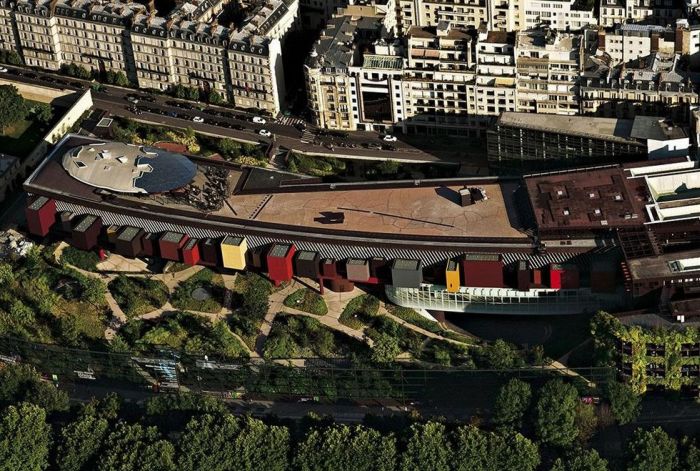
(37, 33)
(547, 71)
(559, 14)
(459, 13)
(630, 41)
(438, 81)
(187, 47)
(506, 15)
(8, 40)
(494, 89)
(96, 36)
(657, 84)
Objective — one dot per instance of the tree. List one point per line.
(13, 107)
(134, 447)
(7, 274)
(229, 148)
(120, 79)
(107, 407)
(21, 383)
(652, 450)
(555, 413)
(471, 450)
(192, 93)
(215, 98)
(343, 448)
(80, 442)
(42, 112)
(427, 448)
(586, 421)
(624, 403)
(500, 355)
(513, 452)
(261, 446)
(581, 460)
(25, 438)
(206, 443)
(603, 328)
(512, 402)
(691, 457)
(385, 349)
(388, 167)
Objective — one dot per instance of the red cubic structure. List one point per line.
(556, 273)
(128, 241)
(537, 278)
(483, 270)
(279, 262)
(522, 275)
(41, 215)
(190, 252)
(171, 244)
(209, 250)
(86, 232)
(150, 244)
(603, 276)
(571, 278)
(329, 269)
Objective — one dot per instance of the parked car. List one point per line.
(259, 120)
(198, 119)
(265, 133)
(389, 138)
(3, 69)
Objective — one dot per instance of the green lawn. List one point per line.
(21, 138)
(359, 311)
(307, 300)
(203, 291)
(137, 296)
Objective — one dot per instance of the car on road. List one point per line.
(132, 99)
(172, 114)
(198, 119)
(3, 69)
(389, 138)
(265, 133)
(259, 120)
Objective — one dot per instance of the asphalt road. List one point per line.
(229, 122)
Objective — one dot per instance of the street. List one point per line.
(233, 123)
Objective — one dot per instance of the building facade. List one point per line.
(188, 47)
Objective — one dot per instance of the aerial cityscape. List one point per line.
(319, 235)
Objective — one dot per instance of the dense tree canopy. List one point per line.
(427, 448)
(581, 460)
(342, 448)
(13, 107)
(555, 420)
(652, 450)
(512, 402)
(25, 438)
(624, 403)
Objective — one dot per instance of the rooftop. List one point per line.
(406, 264)
(128, 233)
(666, 265)
(655, 128)
(128, 168)
(591, 199)
(232, 240)
(381, 209)
(597, 128)
(85, 223)
(174, 237)
(279, 250)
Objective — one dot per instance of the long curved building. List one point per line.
(472, 245)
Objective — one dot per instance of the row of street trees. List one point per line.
(187, 432)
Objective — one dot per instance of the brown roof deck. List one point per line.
(659, 266)
(427, 211)
(587, 199)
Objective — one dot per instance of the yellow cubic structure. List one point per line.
(233, 250)
(452, 276)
